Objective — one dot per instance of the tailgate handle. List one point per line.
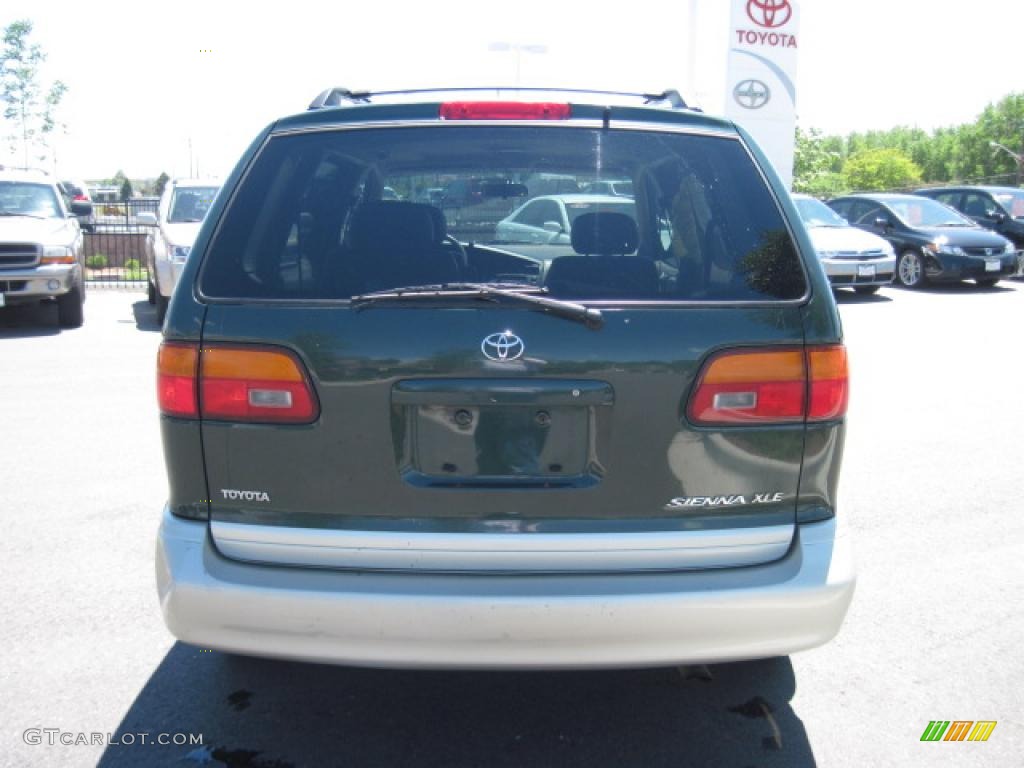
(564, 392)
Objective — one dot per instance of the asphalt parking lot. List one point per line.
(931, 487)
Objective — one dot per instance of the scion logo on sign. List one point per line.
(751, 94)
(769, 13)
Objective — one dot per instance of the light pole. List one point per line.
(519, 49)
(1019, 158)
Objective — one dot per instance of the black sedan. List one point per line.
(932, 241)
(1000, 209)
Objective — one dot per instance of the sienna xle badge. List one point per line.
(534, 425)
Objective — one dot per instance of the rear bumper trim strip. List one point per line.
(536, 552)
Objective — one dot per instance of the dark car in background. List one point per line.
(1000, 209)
(393, 440)
(933, 242)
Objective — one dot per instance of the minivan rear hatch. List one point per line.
(516, 382)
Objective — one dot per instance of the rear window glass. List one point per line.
(334, 214)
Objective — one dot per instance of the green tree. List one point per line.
(939, 159)
(161, 183)
(27, 104)
(1002, 123)
(816, 162)
(955, 153)
(123, 183)
(874, 169)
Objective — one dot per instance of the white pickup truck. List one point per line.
(40, 245)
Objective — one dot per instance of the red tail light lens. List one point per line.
(830, 383)
(233, 383)
(255, 384)
(771, 386)
(176, 368)
(504, 110)
(740, 387)
(80, 198)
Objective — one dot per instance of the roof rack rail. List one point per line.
(336, 97)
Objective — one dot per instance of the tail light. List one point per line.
(254, 384)
(80, 198)
(771, 386)
(504, 110)
(176, 367)
(829, 382)
(235, 383)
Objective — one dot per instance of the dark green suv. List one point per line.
(394, 438)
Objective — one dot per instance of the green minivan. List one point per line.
(395, 438)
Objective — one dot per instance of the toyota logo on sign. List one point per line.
(503, 347)
(769, 13)
(751, 94)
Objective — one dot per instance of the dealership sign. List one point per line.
(764, 38)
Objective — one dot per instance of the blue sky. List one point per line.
(147, 79)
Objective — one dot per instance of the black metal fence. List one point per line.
(115, 251)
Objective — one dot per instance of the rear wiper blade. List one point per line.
(514, 292)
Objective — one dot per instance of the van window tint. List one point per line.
(334, 214)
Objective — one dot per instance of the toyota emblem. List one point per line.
(503, 347)
(769, 13)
